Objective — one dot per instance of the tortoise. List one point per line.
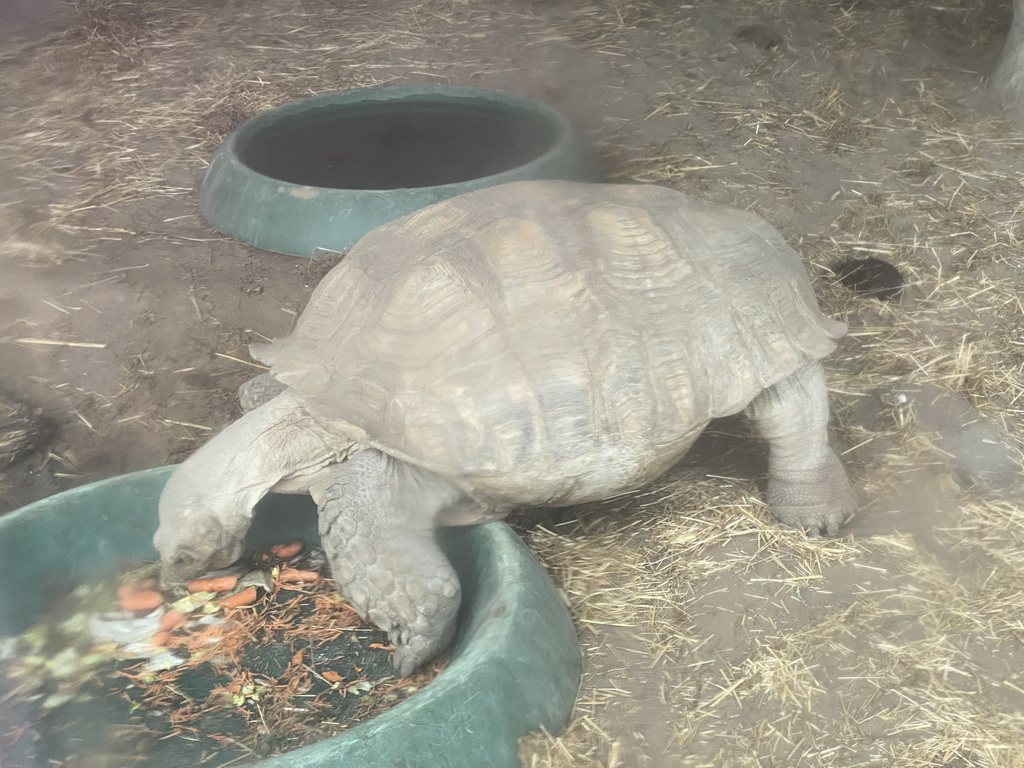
(536, 343)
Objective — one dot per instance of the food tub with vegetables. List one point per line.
(263, 663)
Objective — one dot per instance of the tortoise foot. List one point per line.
(816, 501)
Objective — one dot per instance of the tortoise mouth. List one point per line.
(397, 145)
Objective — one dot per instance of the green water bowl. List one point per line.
(314, 176)
(514, 667)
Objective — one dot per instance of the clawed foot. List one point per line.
(416, 609)
(419, 640)
(396, 577)
(816, 501)
(377, 520)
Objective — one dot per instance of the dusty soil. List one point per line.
(858, 127)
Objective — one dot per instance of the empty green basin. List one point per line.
(514, 667)
(314, 176)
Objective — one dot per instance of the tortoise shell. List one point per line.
(548, 342)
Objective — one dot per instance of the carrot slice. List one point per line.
(161, 638)
(126, 590)
(142, 585)
(246, 597)
(171, 619)
(217, 584)
(285, 551)
(292, 576)
(143, 600)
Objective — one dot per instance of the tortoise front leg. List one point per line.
(377, 527)
(807, 485)
(377, 517)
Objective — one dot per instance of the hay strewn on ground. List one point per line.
(710, 636)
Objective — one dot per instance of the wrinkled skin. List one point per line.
(207, 505)
(535, 343)
(209, 546)
(807, 485)
(376, 523)
(377, 514)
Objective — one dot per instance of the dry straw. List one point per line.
(711, 636)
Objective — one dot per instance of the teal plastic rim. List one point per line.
(514, 667)
(308, 221)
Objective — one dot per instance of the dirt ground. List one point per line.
(711, 637)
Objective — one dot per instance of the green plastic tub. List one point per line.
(314, 176)
(514, 668)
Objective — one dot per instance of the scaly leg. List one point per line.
(807, 485)
(377, 527)
(377, 518)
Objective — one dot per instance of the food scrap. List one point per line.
(250, 661)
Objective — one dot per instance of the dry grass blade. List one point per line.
(711, 636)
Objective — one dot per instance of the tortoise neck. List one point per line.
(278, 441)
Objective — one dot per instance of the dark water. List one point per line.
(115, 726)
(110, 729)
(392, 148)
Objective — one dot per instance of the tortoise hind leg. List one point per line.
(807, 485)
(377, 519)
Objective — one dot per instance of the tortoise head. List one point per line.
(207, 505)
(199, 531)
